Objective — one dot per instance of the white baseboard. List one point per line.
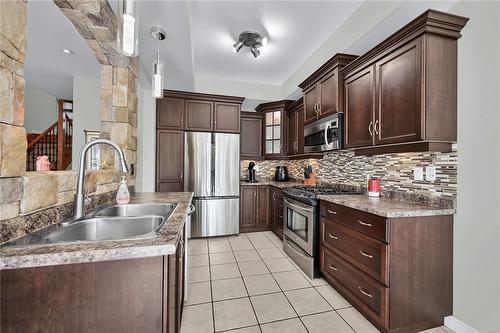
(458, 326)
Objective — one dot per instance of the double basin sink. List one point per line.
(118, 222)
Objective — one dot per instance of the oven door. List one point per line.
(298, 223)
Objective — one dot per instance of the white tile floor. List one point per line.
(247, 284)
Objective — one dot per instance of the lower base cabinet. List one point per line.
(397, 272)
(276, 214)
(131, 295)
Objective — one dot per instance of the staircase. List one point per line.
(55, 142)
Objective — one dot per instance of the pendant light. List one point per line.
(158, 67)
(127, 27)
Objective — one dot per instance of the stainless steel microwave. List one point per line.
(324, 134)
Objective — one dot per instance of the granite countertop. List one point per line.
(69, 253)
(386, 207)
(274, 183)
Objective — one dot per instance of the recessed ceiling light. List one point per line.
(67, 51)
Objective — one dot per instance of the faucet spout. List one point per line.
(79, 196)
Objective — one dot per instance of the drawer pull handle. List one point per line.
(365, 293)
(332, 236)
(332, 212)
(363, 253)
(333, 268)
(364, 223)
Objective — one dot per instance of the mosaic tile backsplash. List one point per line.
(394, 170)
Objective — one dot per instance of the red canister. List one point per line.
(374, 187)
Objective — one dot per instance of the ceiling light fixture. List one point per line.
(67, 51)
(251, 39)
(127, 29)
(157, 78)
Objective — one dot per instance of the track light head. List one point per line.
(255, 51)
(237, 46)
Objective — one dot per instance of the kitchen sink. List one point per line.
(117, 222)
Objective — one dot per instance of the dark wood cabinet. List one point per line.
(251, 136)
(169, 160)
(397, 272)
(130, 295)
(274, 128)
(295, 128)
(254, 208)
(227, 117)
(276, 211)
(324, 89)
(360, 104)
(199, 115)
(170, 113)
(410, 82)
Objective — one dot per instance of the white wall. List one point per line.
(86, 112)
(476, 299)
(146, 141)
(41, 109)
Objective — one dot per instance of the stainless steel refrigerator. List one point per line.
(212, 172)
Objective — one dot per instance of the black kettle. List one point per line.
(281, 174)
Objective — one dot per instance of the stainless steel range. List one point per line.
(301, 224)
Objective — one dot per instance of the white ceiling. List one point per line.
(198, 53)
(45, 66)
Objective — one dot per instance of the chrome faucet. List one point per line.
(79, 196)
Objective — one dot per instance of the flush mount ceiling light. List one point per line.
(67, 51)
(157, 79)
(251, 39)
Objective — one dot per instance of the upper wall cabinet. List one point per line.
(251, 136)
(198, 112)
(295, 128)
(274, 128)
(401, 96)
(324, 89)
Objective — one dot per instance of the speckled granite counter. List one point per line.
(272, 183)
(390, 208)
(68, 253)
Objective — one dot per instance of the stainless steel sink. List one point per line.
(117, 222)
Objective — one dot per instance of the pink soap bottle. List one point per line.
(123, 195)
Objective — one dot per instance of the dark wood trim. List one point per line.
(295, 105)
(425, 146)
(339, 59)
(254, 229)
(250, 114)
(431, 21)
(273, 105)
(203, 96)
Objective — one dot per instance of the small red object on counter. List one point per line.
(374, 187)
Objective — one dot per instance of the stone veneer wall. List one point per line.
(394, 170)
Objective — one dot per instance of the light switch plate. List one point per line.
(430, 173)
(418, 173)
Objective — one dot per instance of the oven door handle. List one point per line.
(298, 207)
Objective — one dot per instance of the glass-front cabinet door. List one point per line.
(273, 132)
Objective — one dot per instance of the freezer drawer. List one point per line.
(215, 217)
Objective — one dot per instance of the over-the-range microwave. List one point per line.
(324, 134)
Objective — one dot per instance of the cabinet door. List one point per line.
(171, 321)
(179, 285)
(328, 91)
(272, 200)
(248, 206)
(227, 117)
(170, 113)
(169, 159)
(292, 127)
(300, 131)
(398, 82)
(310, 101)
(170, 187)
(251, 137)
(278, 213)
(359, 94)
(199, 115)
(273, 132)
(262, 206)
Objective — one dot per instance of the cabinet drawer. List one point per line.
(363, 290)
(369, 224)
(366, 253)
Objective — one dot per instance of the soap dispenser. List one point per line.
(123, 195)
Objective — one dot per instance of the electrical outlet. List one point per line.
(430, 173)
(418, 173)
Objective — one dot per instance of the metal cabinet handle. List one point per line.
(365, 293)
(333, 236)
(298, 207)
(333, 268)
(377, 125)
(370, 128)
(332, 212)
(319, 107)
(192, 209)
(364, 254)
(364, 223)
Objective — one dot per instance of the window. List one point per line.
(273, 132)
